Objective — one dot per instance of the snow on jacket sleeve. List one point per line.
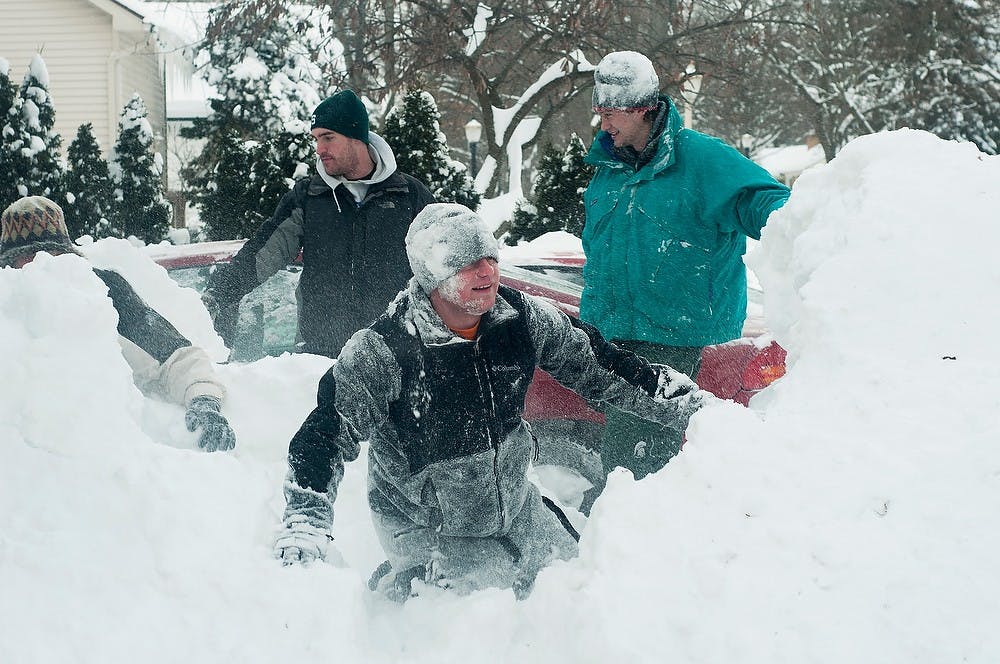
(163, 361)
(186, 374)
(352, 402)
(275, 245)
(577, 356)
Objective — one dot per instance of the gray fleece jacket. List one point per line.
(449, 450)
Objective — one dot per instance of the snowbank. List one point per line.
(845, 517)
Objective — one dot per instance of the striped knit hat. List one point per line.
(32, 224)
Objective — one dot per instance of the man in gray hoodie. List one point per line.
(437, 385)
(349, 221)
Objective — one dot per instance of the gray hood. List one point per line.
(385, 165)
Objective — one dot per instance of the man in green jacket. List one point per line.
(668, 212)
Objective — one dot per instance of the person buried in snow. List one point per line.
(437, 386)
(163, 361)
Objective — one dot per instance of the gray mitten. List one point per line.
(216, 434)
(300, 542)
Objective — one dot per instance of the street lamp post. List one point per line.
(473, 132)
(690, 85)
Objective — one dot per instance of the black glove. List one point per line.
(216, 434)
(672, 383)
(634, 368)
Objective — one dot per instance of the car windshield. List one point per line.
(568, 273)
(266, 322)
(563, 278)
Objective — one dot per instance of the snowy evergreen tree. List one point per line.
(140, 208)
(527, 223)
(87, 187)
(43, 176)
(230, 210)
(557, 203)
(268, 84)
(413, 131)
(221, 209)
(12, 138)
(266, 180)
(567, 201)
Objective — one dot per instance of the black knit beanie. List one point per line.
(343, 113)
(32, 224)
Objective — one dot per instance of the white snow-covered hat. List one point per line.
(445, 237)
(625, 80)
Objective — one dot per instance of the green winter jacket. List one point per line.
(665, 244)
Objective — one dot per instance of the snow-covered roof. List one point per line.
(183, 22)
(180, 27)
(187, 108)
(789, 159)
(114, 6)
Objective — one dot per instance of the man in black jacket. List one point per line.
(437, 387)
(349, 220)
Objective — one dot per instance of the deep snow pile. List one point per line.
(848, 516)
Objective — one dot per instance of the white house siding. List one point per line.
(96, 56)
(142, 72)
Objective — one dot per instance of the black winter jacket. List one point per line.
(353, 255)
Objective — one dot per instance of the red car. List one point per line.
(568, 429)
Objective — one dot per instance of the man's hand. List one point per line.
(299, 542)
(672, 384)
(216, 434)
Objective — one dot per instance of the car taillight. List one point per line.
(765, 368)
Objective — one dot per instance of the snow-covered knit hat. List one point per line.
(625, 80)
(343, 113)
(445, 237)
(32, 224)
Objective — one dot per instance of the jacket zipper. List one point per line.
(484, 380)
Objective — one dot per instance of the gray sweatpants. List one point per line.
(465, 564)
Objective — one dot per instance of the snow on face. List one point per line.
(445, 237)
(473, 289)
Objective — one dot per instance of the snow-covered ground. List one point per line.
(849, 516)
